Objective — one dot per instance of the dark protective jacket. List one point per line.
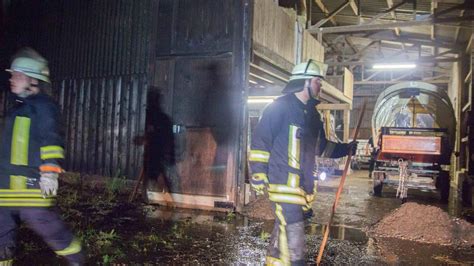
(31, 141)
(285, 142)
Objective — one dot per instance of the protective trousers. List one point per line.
(287, 243)
(43, 221)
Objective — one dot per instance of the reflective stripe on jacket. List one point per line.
(30, 139)
(285, 141)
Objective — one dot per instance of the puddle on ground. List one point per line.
(122, 234)
(174, 236)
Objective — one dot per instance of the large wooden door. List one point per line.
(201, 70)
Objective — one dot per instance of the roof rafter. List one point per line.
(384, 26)
(323, 8)
(412, 41)
(331, 15)
(421, 60)
(354, 7)
(392, 13)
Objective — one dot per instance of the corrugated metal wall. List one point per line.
(103, 83)
(99, 53)
(104, 118)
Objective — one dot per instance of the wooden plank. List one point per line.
(333, 106)
(323, 8)
(392, 13)
(385, 26)
(186, 201)
(274, 29)
(269, 72)
(332, 14)
(377, 82)
(348, 83)
(312, 49)
(332, 91)
(346, 125)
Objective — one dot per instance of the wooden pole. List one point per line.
(137, 185)
(339, 190)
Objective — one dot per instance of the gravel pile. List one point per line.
(426, 224)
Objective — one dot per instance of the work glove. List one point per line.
(259, 189)
(352, 147)
(258, 182)
(308, 208)
(49, 184)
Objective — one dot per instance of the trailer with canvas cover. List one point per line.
(413, 126)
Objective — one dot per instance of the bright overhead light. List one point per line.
(393, 66)
(260, 100)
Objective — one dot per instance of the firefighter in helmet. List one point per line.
(286, 140)
(31, 152)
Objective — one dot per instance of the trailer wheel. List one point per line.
(443, 186)
(378, 178)
(378, 189)
(355, 165)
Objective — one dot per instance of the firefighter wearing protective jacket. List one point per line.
(30, 154)
(286, 140)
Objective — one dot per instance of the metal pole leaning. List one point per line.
(339, 190)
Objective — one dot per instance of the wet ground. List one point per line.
(114, 232)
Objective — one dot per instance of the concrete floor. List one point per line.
(358, 209)
(244, 242)
(152, 235)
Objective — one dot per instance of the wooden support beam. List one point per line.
(331, 15)
(421, 67)
(406, 40)
(384, 13)
(403, 76)
(385, 26)
(392, 13)
(323, 8)
(351, 44)
(354, 7)
(361, 52)
(458, 29)
(378, 82)
(330, 90)
(434, 5)
(261, 78)
(346, 125)
(390, 20)
(435, 77)
(419, 61)
(466, 5)
(333, 106)
(372, 75)
(268, 72)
